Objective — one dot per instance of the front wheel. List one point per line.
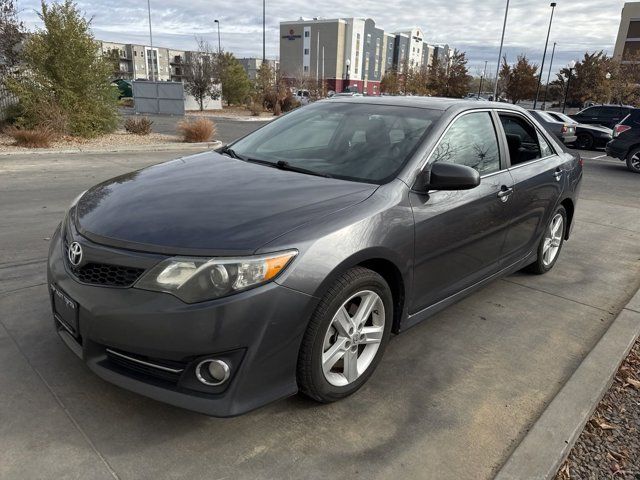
(633, 160)
(551, 243)
(346, 336)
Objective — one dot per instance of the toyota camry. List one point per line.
(283, 262)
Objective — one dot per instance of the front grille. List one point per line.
(133, 363)
(107, 275)
(103, 274)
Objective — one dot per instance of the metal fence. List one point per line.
(158, 97)
(7, 100)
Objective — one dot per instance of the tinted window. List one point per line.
(471, 140)
(522, 139)
(360, 142)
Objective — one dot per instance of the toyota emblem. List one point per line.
(75, 254)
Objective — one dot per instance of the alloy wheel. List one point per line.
(635, 161)
(353, 338)
(552, 240)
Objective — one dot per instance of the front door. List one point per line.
(459, 234)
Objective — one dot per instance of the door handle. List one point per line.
(557, 174)
(504, 193)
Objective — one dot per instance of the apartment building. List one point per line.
(351, 53)
(252, 65)
(628, 41)
(142, 62)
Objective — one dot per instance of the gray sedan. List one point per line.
(283, 262)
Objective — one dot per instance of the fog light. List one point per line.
(213, 372)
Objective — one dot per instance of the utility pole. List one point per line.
(535, 100)
(504, 26)
(546, 89)
(484, 72)
(150, 43)
(264, 10)
(219, 49)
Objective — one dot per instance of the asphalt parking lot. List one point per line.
(451, 399)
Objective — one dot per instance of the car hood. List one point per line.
(208, 204)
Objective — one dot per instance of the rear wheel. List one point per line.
(346, 336)
(584, 141)
(633, 160)
(551, 243)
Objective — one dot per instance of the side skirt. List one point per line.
(415, 318)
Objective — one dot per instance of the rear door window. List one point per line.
(522, 139)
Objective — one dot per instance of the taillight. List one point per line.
(620, 129)
(564, 129)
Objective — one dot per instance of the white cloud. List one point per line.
(470, 25)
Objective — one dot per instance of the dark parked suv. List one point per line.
(626, 141)
(284, 261)
(606, 115)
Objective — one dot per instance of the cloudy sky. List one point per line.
(473, 26)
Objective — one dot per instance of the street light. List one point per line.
(264, 10)
(219, 49)
(504, 26)
(608, 77)
(546, 44)
(572, 65)
(546, 88)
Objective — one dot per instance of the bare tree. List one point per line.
(200, 74)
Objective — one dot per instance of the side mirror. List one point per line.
(447, 176)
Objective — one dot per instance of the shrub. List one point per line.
(61, 68)
(196, 130)
(138, 126)
(289, 103)
(35, 138)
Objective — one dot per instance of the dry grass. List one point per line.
(196, 130)
(35, 138)
(138, 126)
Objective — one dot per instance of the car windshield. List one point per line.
(562, 117)
(361, 142)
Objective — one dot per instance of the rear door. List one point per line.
(459, 234)
(538, 174)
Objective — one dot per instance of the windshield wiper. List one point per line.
(231, 152)
(284, 165)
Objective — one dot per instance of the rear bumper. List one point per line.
(257, 332)
(616, 150)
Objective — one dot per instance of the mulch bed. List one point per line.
(609, 446)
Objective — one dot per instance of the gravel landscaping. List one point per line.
(117, 139)
(609, 446)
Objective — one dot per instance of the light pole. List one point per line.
(608, 77)
(482, 78)
(572, 65)
(219, 49)
(150, 42)
(546, 88)
(546, 44)
(504, 26)
(264, 10)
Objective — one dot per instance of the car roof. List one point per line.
(432, 103)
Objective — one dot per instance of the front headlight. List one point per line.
(196, 279)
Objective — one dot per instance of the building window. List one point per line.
(368, 39)
(306, 68)
(378, 42)
(306, 51)
(307, 33)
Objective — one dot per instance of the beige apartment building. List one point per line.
(143, 62)
(628, 41)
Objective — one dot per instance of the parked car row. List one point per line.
(625, 145)
(570, 132)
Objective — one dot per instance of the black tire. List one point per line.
(312, 381)
(540, 267)
(584, 141)
(633, 160)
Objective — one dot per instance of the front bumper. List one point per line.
(258, 332)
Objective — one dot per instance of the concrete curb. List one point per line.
(548, 443)
(155, 147)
